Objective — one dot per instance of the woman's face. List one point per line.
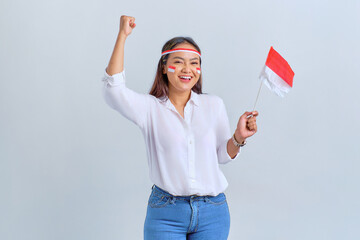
(185, 64)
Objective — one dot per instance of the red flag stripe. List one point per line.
(280, 66)
(179, 50)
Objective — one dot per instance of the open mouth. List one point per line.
(185, 78)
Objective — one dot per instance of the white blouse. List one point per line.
(183, 153)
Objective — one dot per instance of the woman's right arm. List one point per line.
(116, 63)
(132, 105)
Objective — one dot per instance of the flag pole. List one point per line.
(257, 95)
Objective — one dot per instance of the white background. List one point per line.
(72, 168)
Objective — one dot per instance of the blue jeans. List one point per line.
(186, 217)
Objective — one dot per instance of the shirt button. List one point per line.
(192, 180)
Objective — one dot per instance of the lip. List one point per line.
(185, 80)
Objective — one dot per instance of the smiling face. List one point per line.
(182, 69)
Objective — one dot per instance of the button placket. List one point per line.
(191, 156)
(191, 146)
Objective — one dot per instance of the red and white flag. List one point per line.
(198, 70)
(171, 69)
(277, 73)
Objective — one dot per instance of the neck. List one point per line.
(179, 98)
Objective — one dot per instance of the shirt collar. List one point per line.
(194, 98)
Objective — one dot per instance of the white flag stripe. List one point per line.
(274, 82)
(180, 50)
(171, 70)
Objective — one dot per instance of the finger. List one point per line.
(246, 114)
(132, 19)
(250, 123)
(253, 119)
(255, 113)
(251, 127)
(250, 116)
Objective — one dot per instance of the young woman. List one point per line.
(187, 136)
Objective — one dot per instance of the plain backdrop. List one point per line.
(72, 168)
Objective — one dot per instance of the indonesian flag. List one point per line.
(198, 70)
(277, 73)
(171, 69)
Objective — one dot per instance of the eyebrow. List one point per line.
(184, 59)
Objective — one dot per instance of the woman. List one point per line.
(187, 135)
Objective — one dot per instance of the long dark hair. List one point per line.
(160, 87)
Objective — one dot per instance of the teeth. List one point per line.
(185, 77)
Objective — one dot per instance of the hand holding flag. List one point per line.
(278, 77)
(246, 126)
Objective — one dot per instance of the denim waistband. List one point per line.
(158, 189)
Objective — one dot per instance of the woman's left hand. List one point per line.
(246, 126)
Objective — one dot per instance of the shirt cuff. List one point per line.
(224, 156)
(228, 156)
(114, 80)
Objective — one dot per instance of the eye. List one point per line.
(194, 63)
(177, 62)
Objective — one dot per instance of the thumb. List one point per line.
(246, 114)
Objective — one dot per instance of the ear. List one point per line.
(164, 69)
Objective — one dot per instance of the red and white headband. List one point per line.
(180, 50)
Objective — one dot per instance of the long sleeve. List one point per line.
(223, 134)
(132, 105)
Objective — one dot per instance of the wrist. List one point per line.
(122, 36)
(236, 143)
(238, 138)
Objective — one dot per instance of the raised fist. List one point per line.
(127, 24)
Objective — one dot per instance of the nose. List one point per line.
(186, 68)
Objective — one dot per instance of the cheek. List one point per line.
(171, 69)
